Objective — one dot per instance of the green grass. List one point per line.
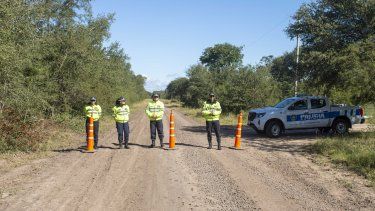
(370, 112)
(355, 151)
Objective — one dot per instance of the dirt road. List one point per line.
(266, 174)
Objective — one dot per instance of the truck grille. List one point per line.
(252, 116)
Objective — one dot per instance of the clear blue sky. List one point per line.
(164, 37)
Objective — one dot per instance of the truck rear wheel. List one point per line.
(340, 126)
(274, 129)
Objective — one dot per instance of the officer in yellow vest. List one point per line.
(155, 112)
(121, 115)
(95, 111)
(211, 112)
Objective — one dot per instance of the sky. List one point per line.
(163, 38)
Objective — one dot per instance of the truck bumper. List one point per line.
(256, 125)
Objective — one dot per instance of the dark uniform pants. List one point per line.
(96, 131)
(156, 126)
(123, 132)
(216, 126)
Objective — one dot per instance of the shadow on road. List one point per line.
(294, 141)
(79, 149)
(82, 149)
(190, 145)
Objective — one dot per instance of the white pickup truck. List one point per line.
(304, 113)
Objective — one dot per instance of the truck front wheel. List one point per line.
(274, 129)
(340, 126)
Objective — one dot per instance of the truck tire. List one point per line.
(274, 129)
(340, 126)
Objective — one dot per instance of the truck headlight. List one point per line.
(260, 115)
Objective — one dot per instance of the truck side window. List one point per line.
(317, 103)
(299, 105)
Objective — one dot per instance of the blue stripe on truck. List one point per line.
(312, 116)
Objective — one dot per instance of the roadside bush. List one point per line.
(18, 135)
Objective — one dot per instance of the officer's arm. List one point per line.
(85, 111)
(205, 110)
(114, 111)
(217, 109)
(100, 111)
(128, 109)
(149, 114)
(160, 113)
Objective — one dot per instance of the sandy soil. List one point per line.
(267, 174)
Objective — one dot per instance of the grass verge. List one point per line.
(355, 151)
(370, 113)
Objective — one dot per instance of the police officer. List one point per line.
(211, 112)
(94, 111)
(155, 112)
(121, 114)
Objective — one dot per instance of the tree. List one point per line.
(222, 56)
(176, 89)
(334, 35)
(283, 70)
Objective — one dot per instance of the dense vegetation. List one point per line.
(337, 60)
(52, 59)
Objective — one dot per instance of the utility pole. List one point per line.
(296, 71)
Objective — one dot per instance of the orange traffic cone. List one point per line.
(90, 135)
(172, 137)
(237, 140)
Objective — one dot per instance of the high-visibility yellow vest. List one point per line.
(211, 111)
(155, 110)
(94, 111)
(121, 113)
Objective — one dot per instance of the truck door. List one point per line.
(318, 113)
(295, 113)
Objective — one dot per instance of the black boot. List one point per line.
(161, 144)
(126, 145)
(120, 145)
(152, 144)
(209, 144)
(218, 145)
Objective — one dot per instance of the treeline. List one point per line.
(52, 59)
(221, 71)
(337, 60)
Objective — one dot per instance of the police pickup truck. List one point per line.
(303, 113)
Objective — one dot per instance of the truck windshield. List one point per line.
(284, 103)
